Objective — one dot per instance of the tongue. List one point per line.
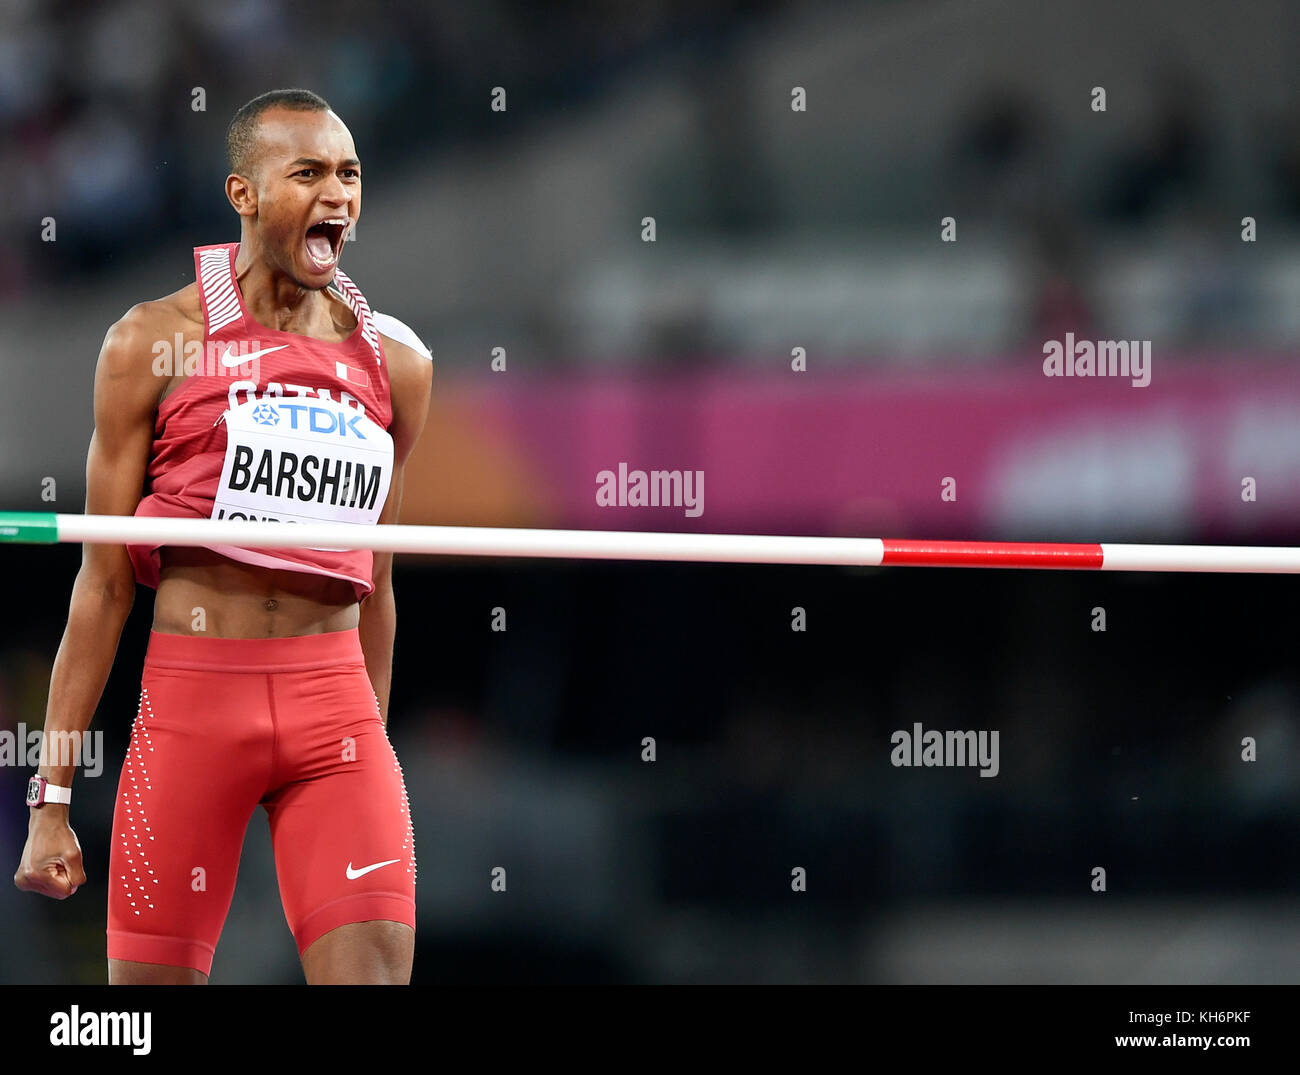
(318, 246)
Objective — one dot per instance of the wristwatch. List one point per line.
(40, 791)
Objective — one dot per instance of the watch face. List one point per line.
(33, 791)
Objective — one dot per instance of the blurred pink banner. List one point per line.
(869, 453)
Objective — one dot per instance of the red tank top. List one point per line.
(271, 425)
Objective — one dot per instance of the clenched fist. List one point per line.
(51, 862)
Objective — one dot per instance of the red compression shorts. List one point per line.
(225, 724)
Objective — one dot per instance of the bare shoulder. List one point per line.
(176, 312)
(410, 377)
(407, 353)
(130, 339)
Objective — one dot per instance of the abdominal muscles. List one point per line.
(202, 592)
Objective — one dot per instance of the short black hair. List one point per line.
(241, 136)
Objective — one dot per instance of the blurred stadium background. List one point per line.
(776, 229)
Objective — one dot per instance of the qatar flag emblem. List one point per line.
(352, 375)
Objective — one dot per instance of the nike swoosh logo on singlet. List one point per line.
(232, 359)
(354, 874)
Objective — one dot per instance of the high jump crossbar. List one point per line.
(51, 528)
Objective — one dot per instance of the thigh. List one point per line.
(125, 972)
(340, 821)
(195, 768)
(361, 953)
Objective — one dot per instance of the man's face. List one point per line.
(308, 192)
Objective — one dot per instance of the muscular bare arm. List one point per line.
(410, 381)
(126, 397)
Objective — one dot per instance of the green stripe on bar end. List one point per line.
(29, 527)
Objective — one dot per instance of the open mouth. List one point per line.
(324, 241)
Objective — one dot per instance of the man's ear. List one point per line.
(242, 195)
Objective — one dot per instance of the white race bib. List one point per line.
(300, 459)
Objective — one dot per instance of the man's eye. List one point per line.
(307, 171)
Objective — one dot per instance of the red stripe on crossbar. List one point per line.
(990, 554)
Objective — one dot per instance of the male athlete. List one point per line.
(267, 674)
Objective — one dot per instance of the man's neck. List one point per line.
(278, 301)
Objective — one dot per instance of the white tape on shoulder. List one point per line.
(397, 330)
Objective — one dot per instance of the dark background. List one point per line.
(523, 749)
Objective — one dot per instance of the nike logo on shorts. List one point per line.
(354, 874)
(231, 359)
